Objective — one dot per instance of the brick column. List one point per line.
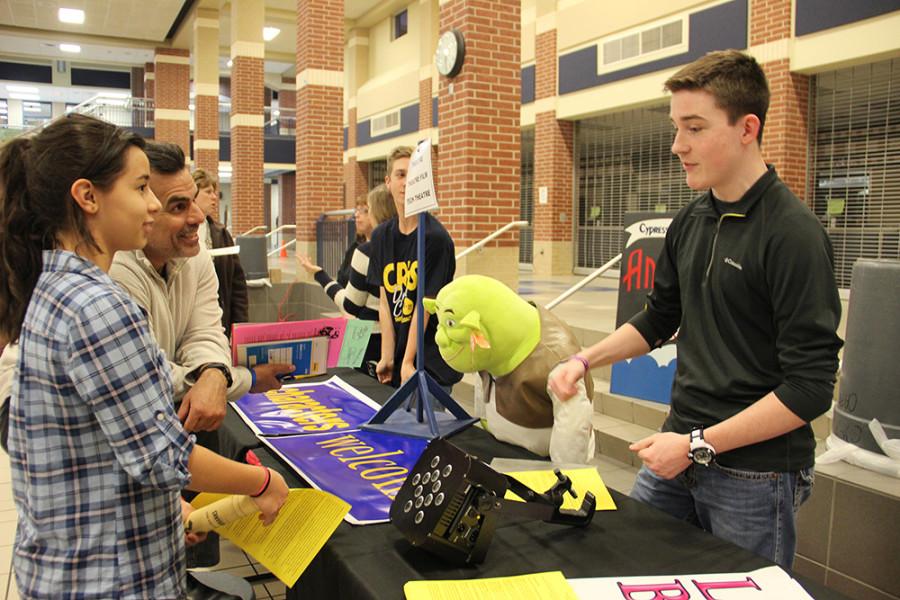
(247, 54)
(172, 69)
(553, 151)
(149, 80)
(206, 90)
(356, 174)
(320, 100)
(478, 166)
(786, 132)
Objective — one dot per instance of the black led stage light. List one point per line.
(450, 503)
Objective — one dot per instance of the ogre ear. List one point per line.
(430, 305)
(472, 322)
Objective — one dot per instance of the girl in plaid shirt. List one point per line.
(98, 455)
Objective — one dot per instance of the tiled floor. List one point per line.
(591, 308)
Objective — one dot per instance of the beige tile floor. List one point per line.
(591, 308)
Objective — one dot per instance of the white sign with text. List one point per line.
(420, 196)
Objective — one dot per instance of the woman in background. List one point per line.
(97, 454)
(232, 282)
(357, 297)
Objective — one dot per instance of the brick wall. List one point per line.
(425, 103)
(172, 93)
(206, 128)
(320, 101)
(770, 20)
(478, 162)
(149, 80)
(247, 143)
(786, 132)
(553, 151)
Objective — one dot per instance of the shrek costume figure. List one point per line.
(485, 327)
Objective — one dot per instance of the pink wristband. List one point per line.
(583, 361)
(265, 485)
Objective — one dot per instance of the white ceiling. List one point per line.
(123, 33)
(130, 19)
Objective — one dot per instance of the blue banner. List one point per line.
(363, 468)
(306, 408)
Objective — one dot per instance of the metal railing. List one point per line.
(481, 244)
(119, 109)
(284, 245)
(587, 279)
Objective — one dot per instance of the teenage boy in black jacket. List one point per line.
(746, 278)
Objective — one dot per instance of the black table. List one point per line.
(374, 561)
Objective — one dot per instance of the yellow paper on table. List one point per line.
(583, 480)
(535, 586)
(287, 546)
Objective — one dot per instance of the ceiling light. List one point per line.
(230, 63)
(270, 33)
(24, 96)
(25, 89)
(74, 48)
(71, 15)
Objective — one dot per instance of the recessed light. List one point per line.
(25, 97)
(71, 15)
(270, 33)
(74, 48)
(25, 89)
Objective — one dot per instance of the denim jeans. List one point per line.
(752, 509)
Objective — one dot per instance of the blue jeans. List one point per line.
(752, 509)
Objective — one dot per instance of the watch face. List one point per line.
(702, 456)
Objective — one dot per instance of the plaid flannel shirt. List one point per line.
(98, 455)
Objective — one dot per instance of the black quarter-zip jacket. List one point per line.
(752, 294)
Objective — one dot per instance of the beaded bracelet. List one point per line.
(265, 484)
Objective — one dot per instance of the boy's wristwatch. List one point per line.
(702, 452)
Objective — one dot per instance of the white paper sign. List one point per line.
(420, 196)
(767, 583)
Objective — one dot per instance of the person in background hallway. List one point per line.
(232, 283)
(394, 268)
(359, 297)
(97, 454)
(746, 277)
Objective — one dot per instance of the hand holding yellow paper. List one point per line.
(535, 586)
(583, 480)
(286, 547)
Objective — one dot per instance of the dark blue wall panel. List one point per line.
(24, 72)
(528, 84)
(434, 112)
(276, 149)
(99, 78)
(409, 122)
(717, 28)
(818, 15)
(346, 138)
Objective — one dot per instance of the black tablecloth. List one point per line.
(374, 561)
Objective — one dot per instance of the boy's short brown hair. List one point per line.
(734, 79)
(397, 153)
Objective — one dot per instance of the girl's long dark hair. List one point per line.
(36, 175)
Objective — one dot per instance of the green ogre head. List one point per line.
(483, 325)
